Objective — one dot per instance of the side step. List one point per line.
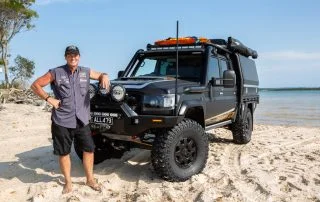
(217, 125)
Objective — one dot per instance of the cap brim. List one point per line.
(72, 52)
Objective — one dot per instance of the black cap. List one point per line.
(72, 50)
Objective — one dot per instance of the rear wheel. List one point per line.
(181, 152)
(103, 149)
(242, 128)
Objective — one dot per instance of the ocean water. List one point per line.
(300, 108)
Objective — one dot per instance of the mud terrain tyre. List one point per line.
(180, 152)
(103, 149)
(242, 128)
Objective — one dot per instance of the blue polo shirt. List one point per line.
(72, 91)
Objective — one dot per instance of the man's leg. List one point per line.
(88, 166)
(85, 141)
(62, 141)
(88, 158)
(65, 166)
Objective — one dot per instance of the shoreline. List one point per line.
(291, 89)
(286, 125)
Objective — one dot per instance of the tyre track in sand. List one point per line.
(239, 161)
(251, 189)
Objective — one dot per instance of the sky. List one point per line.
(108, 32)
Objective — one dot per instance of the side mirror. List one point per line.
(229, 79)
(120, 73)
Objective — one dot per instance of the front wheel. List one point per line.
(103, 149)
(181, 152)
(242, 128)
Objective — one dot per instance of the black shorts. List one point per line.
(63, 138)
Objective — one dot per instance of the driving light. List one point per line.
(118, 93)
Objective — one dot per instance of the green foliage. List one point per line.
(15, 16)
(22, 71)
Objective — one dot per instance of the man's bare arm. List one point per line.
(37, 87)
(103, 78)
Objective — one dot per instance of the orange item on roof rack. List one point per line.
(181, 41)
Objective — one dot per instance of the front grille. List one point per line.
(104, 104)
(107, 104)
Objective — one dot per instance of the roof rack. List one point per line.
(173, 47)
(232, 45)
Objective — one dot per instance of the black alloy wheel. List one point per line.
(185, 152)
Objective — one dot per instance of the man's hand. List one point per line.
(104, 82)
(103, 79)
(54, 102)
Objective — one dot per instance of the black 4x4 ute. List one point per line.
(166, 105)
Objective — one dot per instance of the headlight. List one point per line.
(92, 91)
(118, 93)
(158, 102)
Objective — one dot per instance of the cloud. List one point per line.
(289, 68)
(290, 55)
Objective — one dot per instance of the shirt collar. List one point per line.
(68, 69)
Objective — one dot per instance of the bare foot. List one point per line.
(67, 188)
(94, 185)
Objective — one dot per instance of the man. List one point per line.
(70, 114)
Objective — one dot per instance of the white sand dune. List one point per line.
(280, 164)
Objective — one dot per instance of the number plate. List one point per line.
(103, 117)
(104, 120)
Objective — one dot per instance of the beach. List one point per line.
(281, 163)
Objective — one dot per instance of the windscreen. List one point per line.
(190, 66)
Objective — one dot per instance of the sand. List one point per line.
(281, 163)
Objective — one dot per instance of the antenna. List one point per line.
(177, 73)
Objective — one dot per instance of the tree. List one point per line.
(22, 71)
(1, 62)
(15, 16)
(1, 65)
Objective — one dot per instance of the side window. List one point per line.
(223, 66)
(213, 70)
